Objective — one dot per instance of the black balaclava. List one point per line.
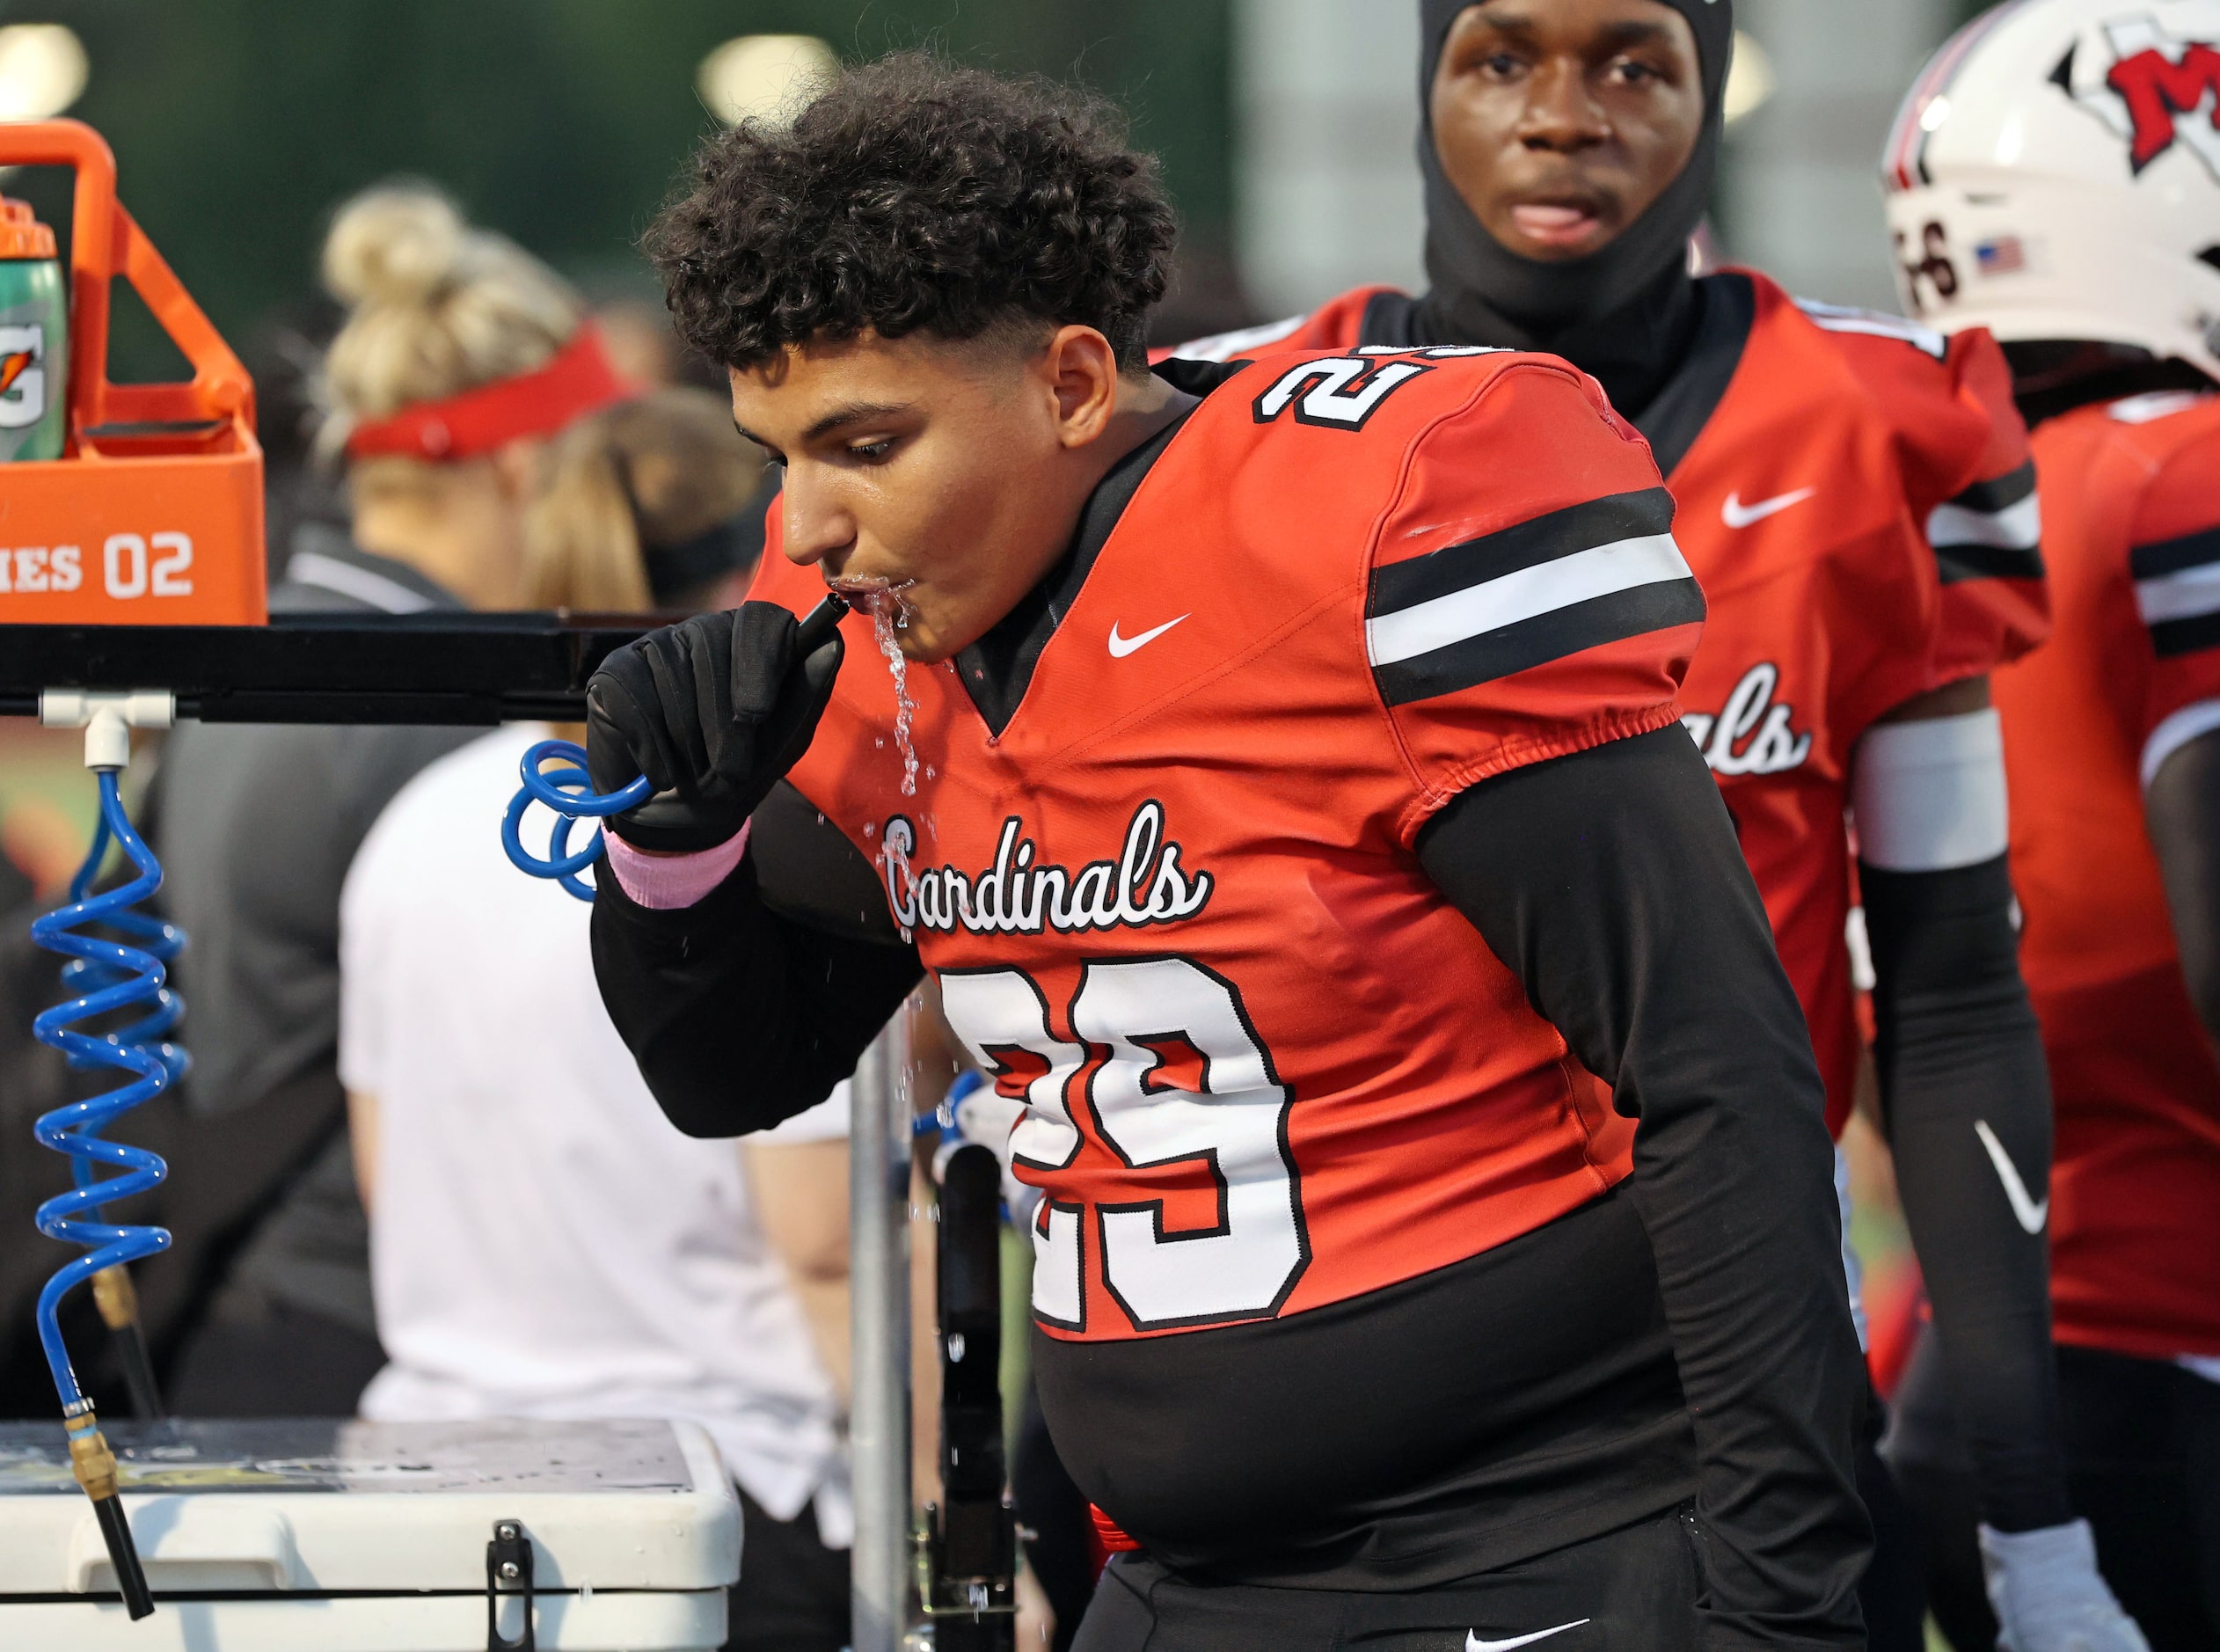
(1625, 312)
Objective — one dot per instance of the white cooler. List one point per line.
(294, 1536)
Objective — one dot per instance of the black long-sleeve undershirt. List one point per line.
(751, 1005)
(1959, 1059)
(1611, 883)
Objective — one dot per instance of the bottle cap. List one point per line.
(21, 234)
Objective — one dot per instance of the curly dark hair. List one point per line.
(909, 195)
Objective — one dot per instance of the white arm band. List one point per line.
(2191, 722)
(1929, 795)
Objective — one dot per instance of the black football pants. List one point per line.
(1631, 1590)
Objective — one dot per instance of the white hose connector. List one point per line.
(108, 717)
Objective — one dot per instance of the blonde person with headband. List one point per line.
(600, 1264)
(643, 508)
(460, 357)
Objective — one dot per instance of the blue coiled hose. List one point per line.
(568, 792)
(108, 976)
(569, 789)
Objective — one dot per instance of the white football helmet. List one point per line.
(2054, 173)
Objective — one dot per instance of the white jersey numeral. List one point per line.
(1341, 391)
(1177, 1075)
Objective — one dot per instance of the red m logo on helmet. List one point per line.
(2159, 91)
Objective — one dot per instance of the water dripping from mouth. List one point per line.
(889, 614)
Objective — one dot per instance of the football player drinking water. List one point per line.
(1436, 1244)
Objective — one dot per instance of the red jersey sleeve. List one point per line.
(1526, 598)
(1970, 482)
(2173, 556)
(1959, 455)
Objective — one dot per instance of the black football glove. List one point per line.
(713, 711)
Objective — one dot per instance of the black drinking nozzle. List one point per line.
(817, 627)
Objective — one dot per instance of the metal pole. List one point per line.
(879, 1322)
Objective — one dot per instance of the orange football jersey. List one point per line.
(1174, 905)
(1857, 503)
(2131, 495)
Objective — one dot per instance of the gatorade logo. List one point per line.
(23, 380)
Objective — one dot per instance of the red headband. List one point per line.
(578, 379)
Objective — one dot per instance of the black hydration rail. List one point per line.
(437, 667)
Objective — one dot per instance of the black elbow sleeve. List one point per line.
(738, 1017)
(1965, 1097)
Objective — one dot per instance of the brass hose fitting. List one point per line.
(116, 1297)
(91, 1461)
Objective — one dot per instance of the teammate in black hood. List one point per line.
(1624, 311)
(1568, 148)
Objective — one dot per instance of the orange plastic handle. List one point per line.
(104, 242)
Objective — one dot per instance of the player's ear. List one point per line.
(1082, 373)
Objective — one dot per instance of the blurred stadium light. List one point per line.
(1326, 110)
(42, 70)
(763, 75)
(1750, 82)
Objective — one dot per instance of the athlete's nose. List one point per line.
(814, 522)
(1559, 115)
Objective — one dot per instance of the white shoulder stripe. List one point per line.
(1840, 318)
(1523, 594)
(2183, 595)
(2017, 527)
(2191, 722)
(1223, 347)
(2153, 405)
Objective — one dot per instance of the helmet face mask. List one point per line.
(2055, 174)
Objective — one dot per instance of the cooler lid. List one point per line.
(317, 1506)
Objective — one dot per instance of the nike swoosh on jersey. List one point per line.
(1735, 514)
(1120, 647)
(1473, 1643)
(2031, 1215)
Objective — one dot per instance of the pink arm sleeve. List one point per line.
(664, 883)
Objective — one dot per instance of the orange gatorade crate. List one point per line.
(153, 514)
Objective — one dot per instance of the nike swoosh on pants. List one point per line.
(2031, 1215)
(1473, 1643)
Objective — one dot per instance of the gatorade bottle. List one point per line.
(35, 332)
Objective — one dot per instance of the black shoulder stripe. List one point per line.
(2177, 592)
(1991, 531)
(1546, 538)
(1999, 492)
(1961, 562)
(2191, 635)
(2162, 557)
(1518, 647)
